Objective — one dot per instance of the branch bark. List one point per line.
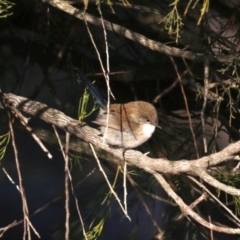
(134, 158)
(197, 167)
(139, 38)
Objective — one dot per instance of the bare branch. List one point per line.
(134, 158)
(151, 44)
(188, 211)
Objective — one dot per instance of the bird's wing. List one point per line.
(114, 121)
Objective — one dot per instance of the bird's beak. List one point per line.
(158, 127)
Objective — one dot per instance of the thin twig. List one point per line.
(10, 179)
(205, 96)
(26, 228)
(193, 205)
(108, 183)
(134, 185)
(66, 171)
(24, 122)
(125, 183)
(72, 188)
(4, 229)
(186, 105)
(160, 199)
(104, 72)
(216, 199)
(170, 88)
(188, 211)
(15, 223)
(77, 207)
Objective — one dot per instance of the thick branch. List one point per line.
(135, 158)
(139, 38)
(188, 211)
(153, 166)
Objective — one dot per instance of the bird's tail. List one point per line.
(91, 88)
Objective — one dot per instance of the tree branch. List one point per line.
(139, 38)
(196, 167)
(134, 158)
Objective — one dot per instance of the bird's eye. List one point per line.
(147, 120)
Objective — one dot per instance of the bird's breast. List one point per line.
(148, 129)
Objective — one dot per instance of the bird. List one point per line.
(126, 125)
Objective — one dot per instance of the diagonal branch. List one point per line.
(196, 167)
(139, 38)
(188, 211)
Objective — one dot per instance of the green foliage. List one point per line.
(173, 21)
(5, 7)
(230, 68)
(83, 103)
(204, 9)
(96, 231)
(233, 181)
(4, 141)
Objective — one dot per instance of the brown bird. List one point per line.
(124, 125)
(128, 125)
